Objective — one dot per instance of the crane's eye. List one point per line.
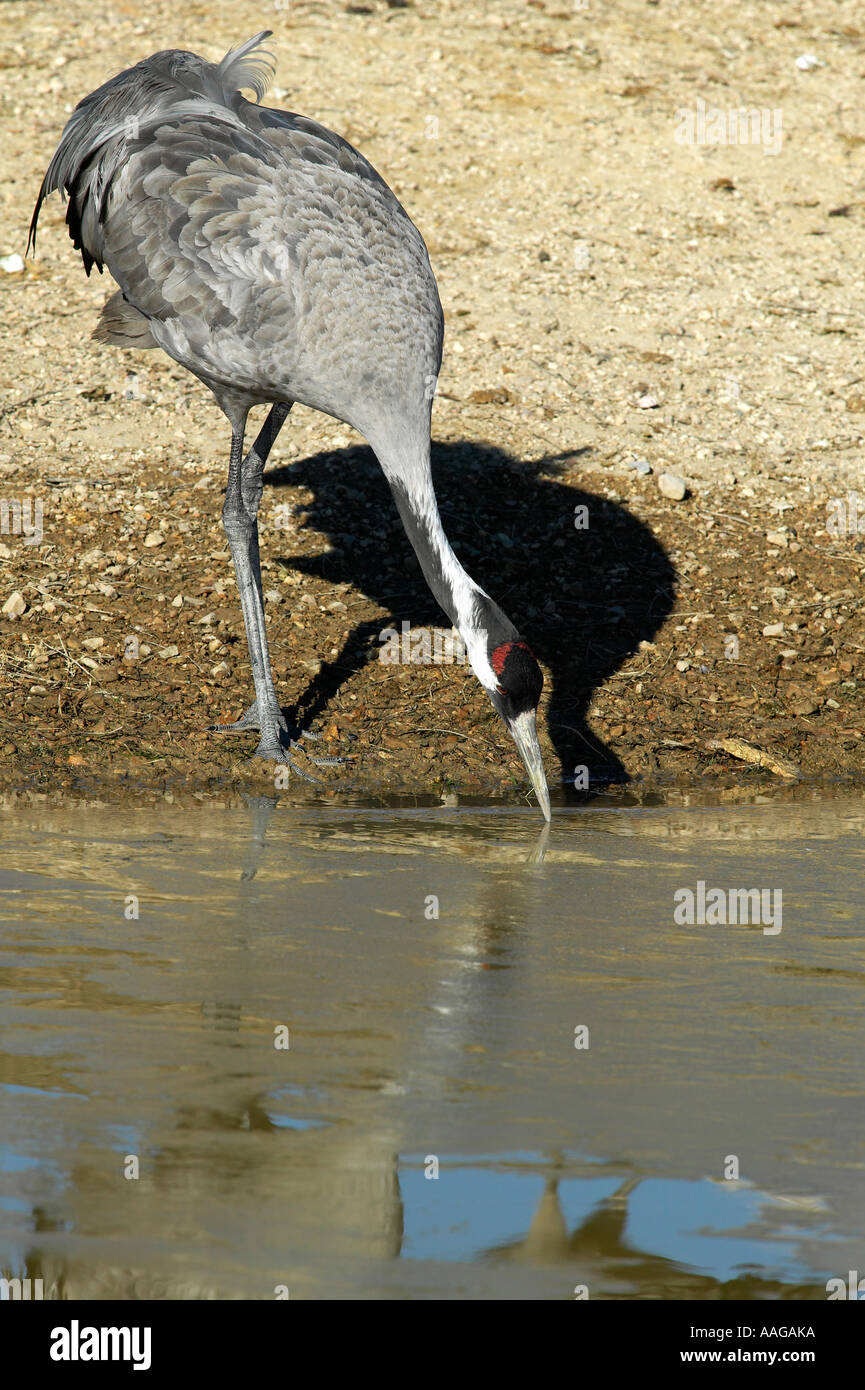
(501, 690)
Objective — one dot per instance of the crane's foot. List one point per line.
(276, 753)
(251, 720)
(276, 745)
(277, 740)
(240, 726)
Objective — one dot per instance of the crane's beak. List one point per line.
(524, 733)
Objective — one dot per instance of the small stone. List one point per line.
(13, 265)
(496, 395)
(648, 403)
(167, 652)
(220, 670)
(15, 605)
(773, 630)
(683, 665)
(777, 538)
(153, 539)
(91, 558)
(806, 62)
(672, 486)
(93, 643)
(641, 466)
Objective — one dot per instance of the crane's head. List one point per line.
(507, 670)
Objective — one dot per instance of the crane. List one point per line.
(267, 256)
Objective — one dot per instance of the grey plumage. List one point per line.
(266, 255)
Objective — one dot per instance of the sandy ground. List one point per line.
(618, 286)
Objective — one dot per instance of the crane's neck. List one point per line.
(472, 611)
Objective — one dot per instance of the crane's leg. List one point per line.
(240, 519)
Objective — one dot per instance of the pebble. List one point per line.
(154, 538)
(672, 486)
(777, 538)
(91, 558)
(641, 466)
(13, 265)
(773, 630)
(166, 652)
(648, 403)
(15, 605)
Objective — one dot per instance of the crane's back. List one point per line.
(256, 247)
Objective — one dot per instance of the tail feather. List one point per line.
(121, 323)
(241, 67)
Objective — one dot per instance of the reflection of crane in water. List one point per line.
(351, 1221)
(600, 1258)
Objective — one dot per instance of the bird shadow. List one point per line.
(583, 579)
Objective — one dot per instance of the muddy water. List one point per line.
(326, 1088)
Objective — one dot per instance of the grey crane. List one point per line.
(267, 256)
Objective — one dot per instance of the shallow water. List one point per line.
(414, 1039)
